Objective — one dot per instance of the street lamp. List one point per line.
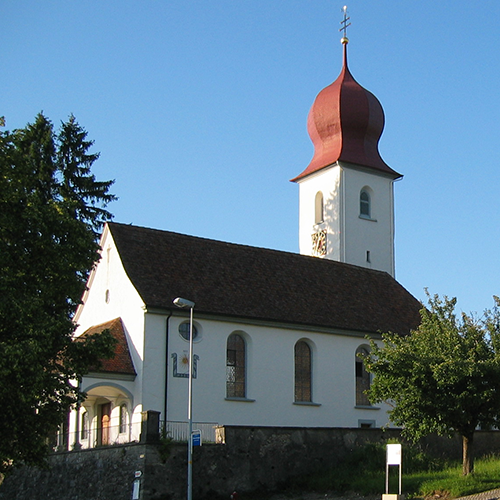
(183, 303)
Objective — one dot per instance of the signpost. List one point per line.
(394, 457)
(136, 485)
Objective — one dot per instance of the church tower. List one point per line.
(346, 201)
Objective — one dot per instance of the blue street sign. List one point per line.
(196, 438)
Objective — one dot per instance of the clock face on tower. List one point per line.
(319, 243)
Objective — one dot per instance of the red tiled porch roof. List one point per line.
(122, 361)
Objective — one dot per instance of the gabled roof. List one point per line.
(122, 361)
(226, 279)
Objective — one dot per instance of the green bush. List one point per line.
(165, 446)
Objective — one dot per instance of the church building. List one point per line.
(275, 334)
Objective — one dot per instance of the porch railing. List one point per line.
(115, 435)
(92, 438)
(178, 430)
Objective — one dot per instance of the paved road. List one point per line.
(328, 496)
(487, 495)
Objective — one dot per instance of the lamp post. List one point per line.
(183, 303)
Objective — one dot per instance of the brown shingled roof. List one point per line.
(240, 281)
(122, 361)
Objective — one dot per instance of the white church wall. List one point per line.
(178, 356)
(326, 181)
(270, 378)
(363, 241)
(269, 356)
(111, 295)
(374, 234)
(153, 382)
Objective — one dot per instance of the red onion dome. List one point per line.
(345, 124)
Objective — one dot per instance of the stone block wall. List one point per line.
(88, 474)
(252, 459)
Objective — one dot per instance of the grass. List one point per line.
(363, 472)
(450, 480)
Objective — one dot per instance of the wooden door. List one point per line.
(105, 423)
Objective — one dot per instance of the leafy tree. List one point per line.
(51, 210)
(444, 377)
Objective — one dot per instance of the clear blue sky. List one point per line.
(199, 111)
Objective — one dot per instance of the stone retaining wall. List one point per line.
(89, 474)
(252, 459)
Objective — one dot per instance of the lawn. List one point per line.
(363, 472)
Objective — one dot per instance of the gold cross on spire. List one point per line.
(345, 25)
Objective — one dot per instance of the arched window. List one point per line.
(235, 367)
(362, 379)
(303, 379)
(123, 418)
(318, 208)
(84, 431)
(364, 204)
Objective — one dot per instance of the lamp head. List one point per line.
(179, 302)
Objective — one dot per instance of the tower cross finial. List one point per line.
(344, 25)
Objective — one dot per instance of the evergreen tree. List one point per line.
(51, 210)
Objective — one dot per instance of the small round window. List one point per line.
(184, 331)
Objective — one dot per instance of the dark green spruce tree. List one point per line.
(51, 211)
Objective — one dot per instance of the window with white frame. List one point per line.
(303, 376)
(123, 419)
(362, 378)
(84, 429)
(319, 208)
(236, 366)
(365, 204)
